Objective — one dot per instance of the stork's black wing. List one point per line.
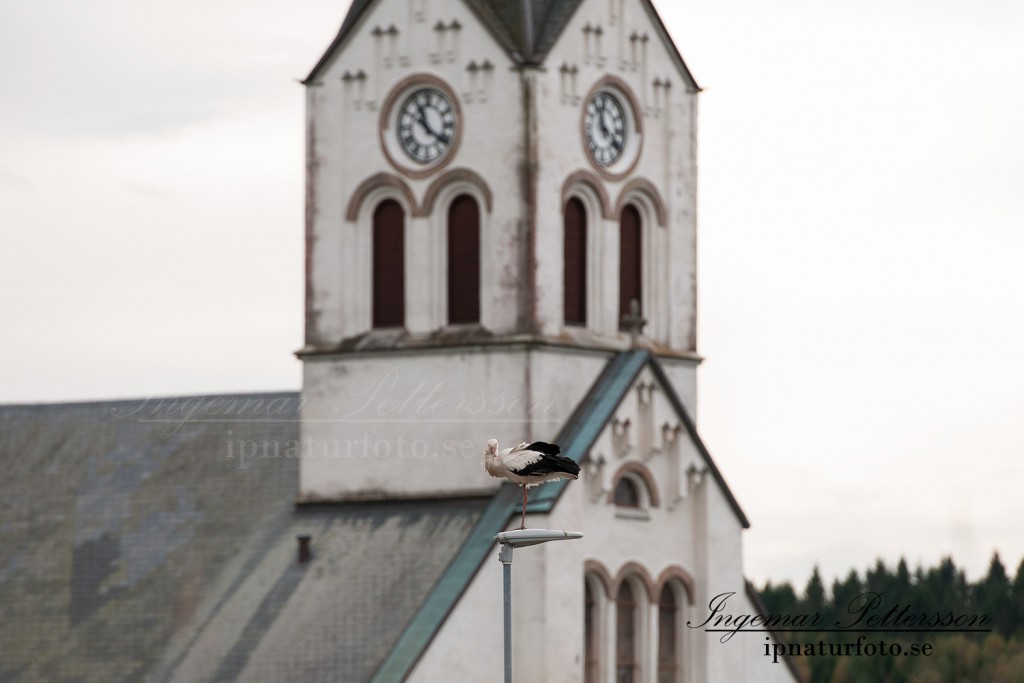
(550, 461)
(544, 447)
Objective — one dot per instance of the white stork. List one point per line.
(529, 465)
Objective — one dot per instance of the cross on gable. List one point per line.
(634, 322)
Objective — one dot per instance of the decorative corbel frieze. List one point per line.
(669, 437)
(355, 88)
(568, 82)
(598, 477)
(695, 477)
(621, 442)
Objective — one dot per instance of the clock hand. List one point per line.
(422, 119)
(437, 135)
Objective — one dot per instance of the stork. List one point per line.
(529, 465)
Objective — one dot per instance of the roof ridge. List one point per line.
(142, 399)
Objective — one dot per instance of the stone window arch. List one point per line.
(643, 255)
(634, 492)
(669, 634)
(630, 645)
(627, 627)
(674, 591)
(376, 204)
(586, 189)
(597, 608)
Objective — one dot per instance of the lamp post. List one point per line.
(510, 540)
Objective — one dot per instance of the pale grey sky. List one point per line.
(861, 209)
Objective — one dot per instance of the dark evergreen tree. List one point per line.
(993, 597)
(814, 593)
(901, 581)
(961, 657)
(845, 599)
(876, 579)
(1017, 597)
(780, 599)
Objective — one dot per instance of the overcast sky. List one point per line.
(861, 210)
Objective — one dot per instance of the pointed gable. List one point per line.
(595, 414)
(590, 420)
(525, 29)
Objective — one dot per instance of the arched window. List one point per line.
(389, 265)
(630, 261)
(464, 261)
(626, 668)
(626, 493)
(668, 637)
(634, 492)
(591, 646)
(575, 263)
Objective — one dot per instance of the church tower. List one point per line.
(497, 192)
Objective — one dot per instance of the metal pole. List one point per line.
(505, 557)
(508, 541)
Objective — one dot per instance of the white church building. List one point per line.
(500, 243)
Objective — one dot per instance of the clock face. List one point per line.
(426, 125)
(605, 128)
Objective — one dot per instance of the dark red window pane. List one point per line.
(625, 636)
(464, 261)
(630, 262)
(575, 263)
(389, 265)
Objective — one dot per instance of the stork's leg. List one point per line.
(526, 494)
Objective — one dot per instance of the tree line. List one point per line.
(992, 651)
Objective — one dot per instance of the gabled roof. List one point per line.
(576, 438)
(526, 29)
(145, 545)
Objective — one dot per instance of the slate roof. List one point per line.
(137, 544)
(527, 30)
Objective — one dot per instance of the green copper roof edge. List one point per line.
(431, 615)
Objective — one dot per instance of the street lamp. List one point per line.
(510, 540)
